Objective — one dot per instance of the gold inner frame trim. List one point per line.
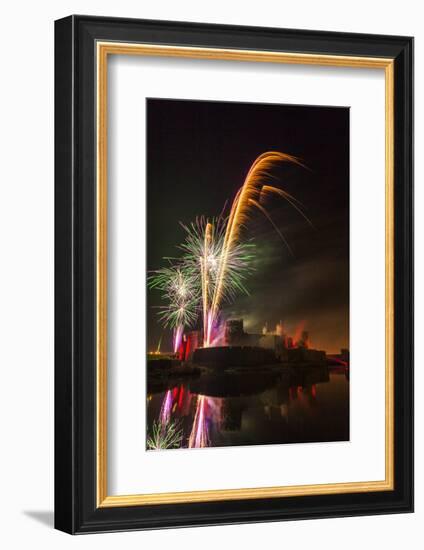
(103, 50)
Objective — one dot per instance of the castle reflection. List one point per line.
(293, 405)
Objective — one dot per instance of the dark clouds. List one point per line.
(198, 156)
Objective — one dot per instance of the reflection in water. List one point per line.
(199, 433)
(165, 411)
(302, 404)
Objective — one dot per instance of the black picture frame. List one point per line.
(76, 508)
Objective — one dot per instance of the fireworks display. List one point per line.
(248, 196)
(203, 250)
(179, 291)
(247, 306)
(216, 258)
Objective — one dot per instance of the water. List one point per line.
(288, 405)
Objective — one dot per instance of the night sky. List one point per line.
(198, 154)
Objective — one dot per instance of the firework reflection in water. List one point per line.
(165, 411)
(199, 436)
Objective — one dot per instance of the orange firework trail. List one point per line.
(268, 217)
(289, 198)
(248, 195)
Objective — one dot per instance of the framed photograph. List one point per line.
(234, 269)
